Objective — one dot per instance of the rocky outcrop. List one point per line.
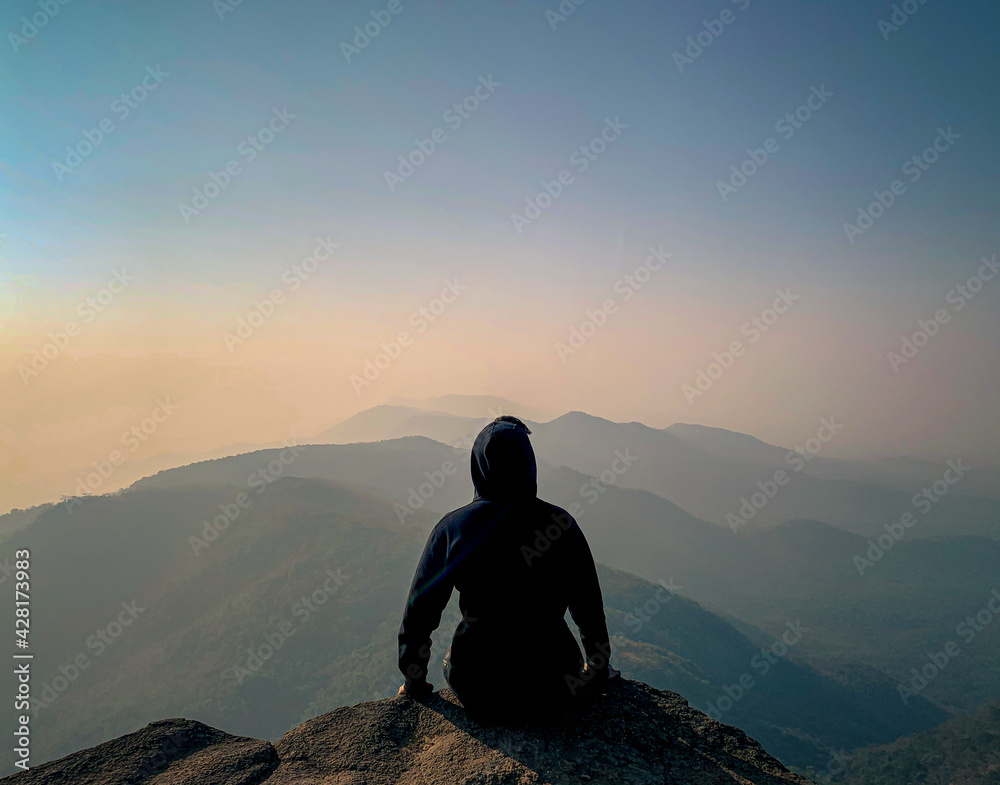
(631, 734)
(168, 752)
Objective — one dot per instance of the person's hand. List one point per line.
(607, 673)
(416, 690)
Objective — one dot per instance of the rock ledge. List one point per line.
(632, 734)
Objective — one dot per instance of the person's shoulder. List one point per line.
(556, 514)
(461, 516)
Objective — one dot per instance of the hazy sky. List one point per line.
(155, 100)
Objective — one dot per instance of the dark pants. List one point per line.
(532, 695)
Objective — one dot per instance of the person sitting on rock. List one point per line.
(518, 563)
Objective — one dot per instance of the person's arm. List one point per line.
(587, 607)
(429, 595)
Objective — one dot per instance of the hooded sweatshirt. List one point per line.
(518, 563)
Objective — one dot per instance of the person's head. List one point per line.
(513, 421)
(503, 462)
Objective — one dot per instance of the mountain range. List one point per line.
(215, 562)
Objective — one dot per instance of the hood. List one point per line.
(503, 463)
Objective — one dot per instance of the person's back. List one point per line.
(518, 564)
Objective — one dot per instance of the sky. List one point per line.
(223, 216)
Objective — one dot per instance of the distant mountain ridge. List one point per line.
(719, 475)
(900, 472)
(475, 406)
(963, 751)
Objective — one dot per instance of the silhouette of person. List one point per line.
(518, 563)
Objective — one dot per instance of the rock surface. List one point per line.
(168, 752)
(631, 734)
